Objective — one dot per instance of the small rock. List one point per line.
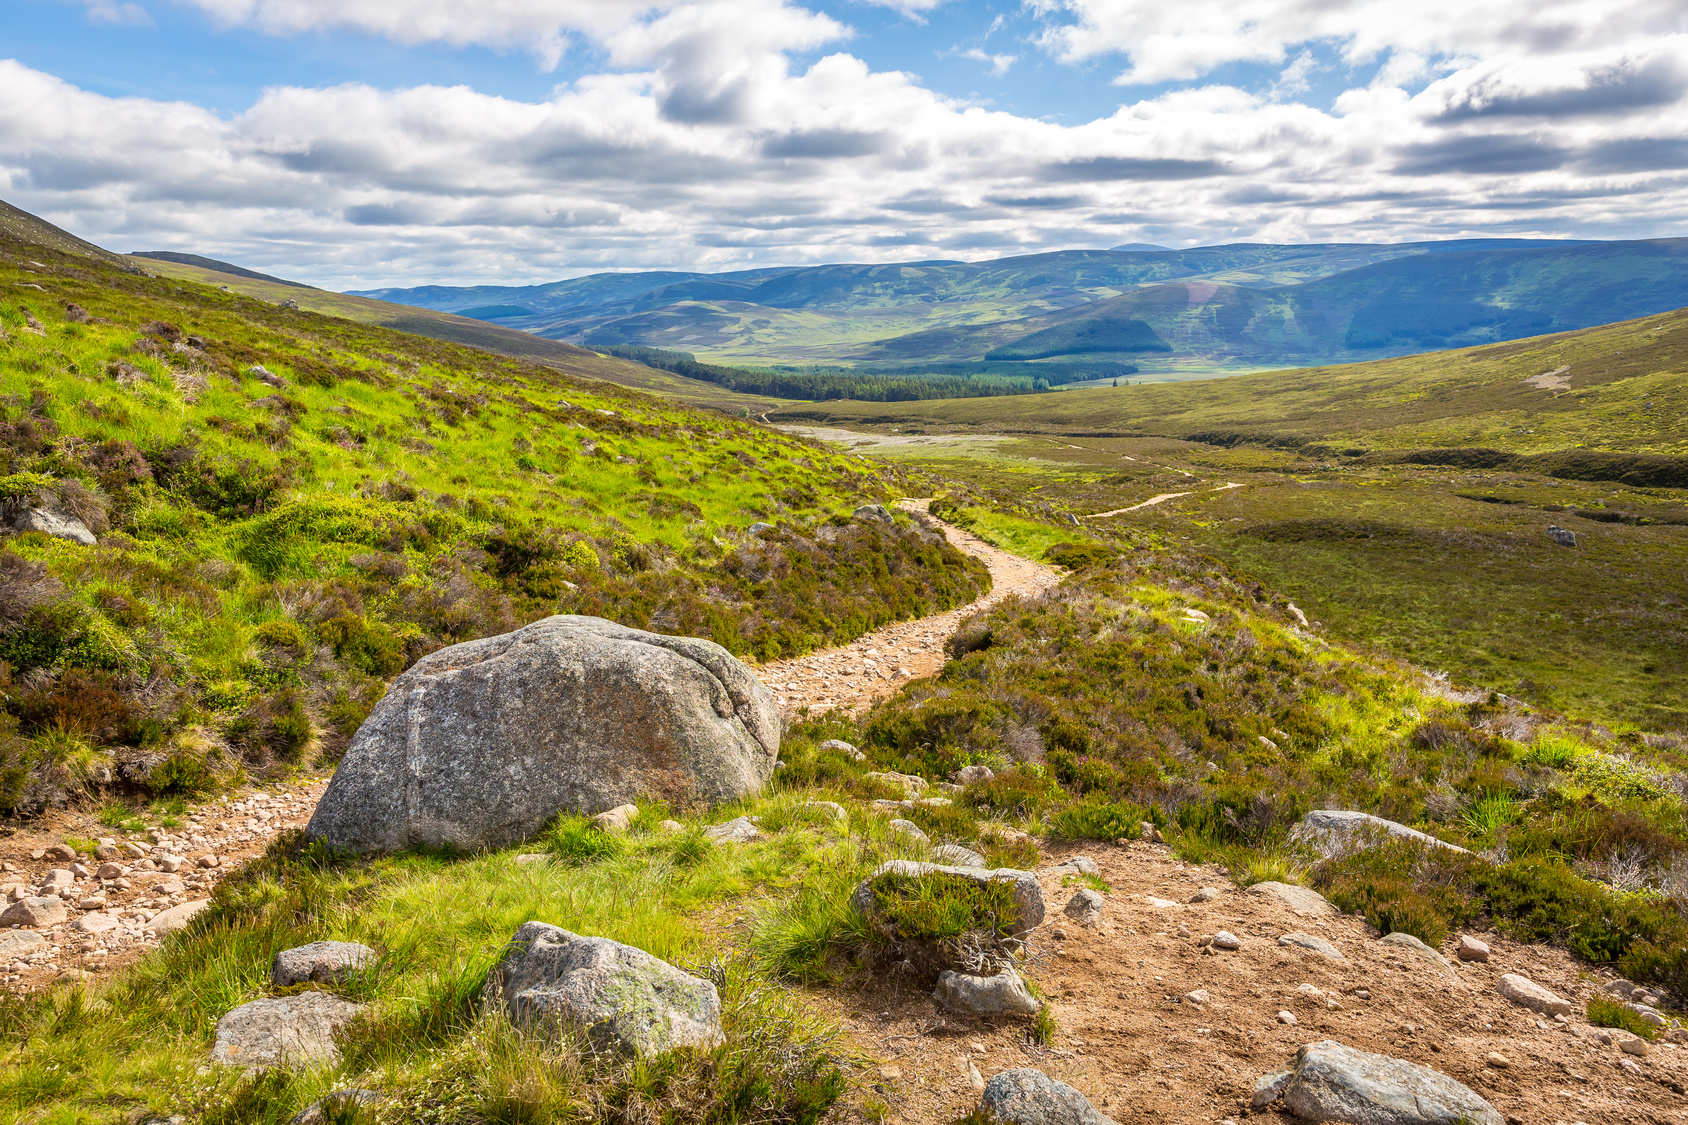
(839, 746)
(39, 913)
(1206, 894)
(1332, 830)
(106, 852)
(168, 862)
(1159, 903)
(20, 943)
(1498, 1060)
(1528, 994)
(968, 775)
(1085, 907)
(1563, 536)
(1647, 1012)
(334, 1107)
(1199, 996)
(624, 999)
(982, 995)
(739, 830)
(1317, 996)
(1147, 830)
(618, 819)
(169, 921)
(1287, 1017)
(287, 1031)
(831, 808)
(1302, 901)
(325, 962)
(759, 527)
(529, 859)
(1363, 993)
(56, 882)
(92, 902)
(1312, 943)
(954, 855)
(95, 924)
(912, 785)
(910, 831)
(1634, 1045)
(1023, 1096)
(671, 826)
(61, 853)
(1432, 958)
(1471, 949)
(873, 513)
(110, 871)
(134, 851)
(1225, 939)
(1631, 1066)
(209, 861)
(1082, 864)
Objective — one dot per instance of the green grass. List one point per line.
(277, 553)
(1603, 1011)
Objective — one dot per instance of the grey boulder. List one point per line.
(1329, 1082)
(1563, 536)
(876, 513)
(480, 744)
(20, 943)
(625, 1000)
(1333, 830)
(60, 525)
(985, 995)
(957, 856)
(1312, 943)
(324, 962)
(1085, 907)
(1027, 895)
(289, 1031)
(39, 912)
(1024, 1096)
(1423, 952)
(1526, 993)
(839, 746)
(1302, 901)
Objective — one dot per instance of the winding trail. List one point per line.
(877, 664)
(1153, 500)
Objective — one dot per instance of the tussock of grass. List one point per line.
(1603, 1011)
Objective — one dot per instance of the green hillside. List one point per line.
(291, 507)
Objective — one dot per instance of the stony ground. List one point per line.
(879, 663)
(1131, 1040)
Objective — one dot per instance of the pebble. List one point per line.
(1159, 903)
(209, 860)
(1634, 1045)
(1470, 949)
(1206, 894)
(62, 853)
(1199, 996)
(1498, 1060)
(1287, 1018)
(1225, 939)
(1526, 993)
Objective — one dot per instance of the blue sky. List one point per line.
(362, 142)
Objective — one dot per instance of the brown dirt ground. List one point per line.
(1140, 1053)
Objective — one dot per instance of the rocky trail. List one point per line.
(878, 663)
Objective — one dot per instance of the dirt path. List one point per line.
(879, 663)
(1153, 500)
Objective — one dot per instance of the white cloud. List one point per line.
(109, 11)
(705, 148)
(999, 63)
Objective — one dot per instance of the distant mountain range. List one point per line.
(1161, 309)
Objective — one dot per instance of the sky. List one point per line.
(365, 143)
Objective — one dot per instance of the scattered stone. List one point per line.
(1527, 993)
(625, 1000)
(1312, 943)
(1329, 1082)
(874, 513)
(1303, 902)
(968, 775)
(1147, 830)
(285, 1031)
(955, 855)
(528, 859)
(1206, 894)
(20, 943)
(1471, 949)
(1498, 1060)
(56, 523)
(672, 826)
(982, 995)
(839, 746)
(168, 862)
(106, 851)
(739, 830)
(1028, 896)
(169, 921)
(95, 924)
(618, 819)
(334, 1106)
(759, 527)
(135, 851)
(1082, 864)
(38, 913)
(1085, 907)
(1023, 1096)
(1225, 939)
(1333, 830)
(1647, 1012)
(831, 808)
(911, 784)
(325, 962)
(111, 871)
(1563, 536)
(57, 881)
(1287, 1017)
(1422, 952)
(1199, 996)
(1634, 1045)
(92, 902)
(1159, 903)
(911, 832)
(208, 861)
(1630, 1066)
(482, 743)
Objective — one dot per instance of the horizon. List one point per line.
(359, 145)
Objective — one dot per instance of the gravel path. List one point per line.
(879, 663)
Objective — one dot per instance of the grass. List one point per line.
(1603, 1011)
(293, 508)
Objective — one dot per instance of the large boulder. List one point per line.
(39, 912)
(1024, 1096)
(480, 744)
(324, 962)
(1333, 830)
(1329, 1082)
(625, 1000)
(291, 1031)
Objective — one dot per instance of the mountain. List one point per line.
(1225, 306)
(213, 264)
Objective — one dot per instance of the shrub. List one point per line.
(280, 634)
(575, 840)
(1603, 1011)
(371, 647)
(1099, 820)
(1076, 556)
(1017, 793)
